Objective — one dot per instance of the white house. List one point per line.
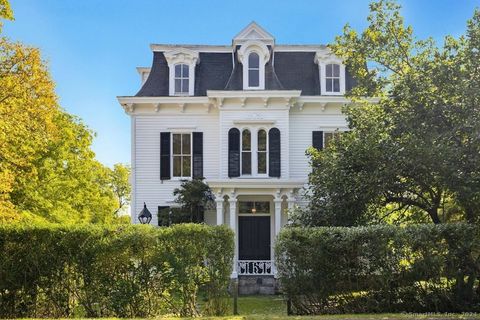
(242, 116)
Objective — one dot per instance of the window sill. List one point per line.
(180, 178)
(333, 94)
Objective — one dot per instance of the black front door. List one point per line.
(254, 238)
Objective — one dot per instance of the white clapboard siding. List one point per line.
(148, 186)
(302, 124)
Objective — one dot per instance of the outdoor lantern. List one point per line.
(145, 216)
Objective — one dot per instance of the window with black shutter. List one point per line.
(165, 155)
(274, 160)
(197, 138)
(233, 153)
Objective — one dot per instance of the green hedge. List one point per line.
(421, 268)
(129, 271)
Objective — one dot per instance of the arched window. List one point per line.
(246, 152)
(181, 79)
(262, 152)
(253, 70)
(332, 78)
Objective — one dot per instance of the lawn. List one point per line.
(273, 307)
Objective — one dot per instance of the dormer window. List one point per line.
(332, 78)
(253, 70)
(331, 73)
(181, 79)
(181, 65)
(253, 55)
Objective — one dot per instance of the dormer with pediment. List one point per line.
(253, 45)
(181, 65)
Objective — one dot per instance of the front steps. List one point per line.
(262, 285)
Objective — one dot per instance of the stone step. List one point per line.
(251, 285)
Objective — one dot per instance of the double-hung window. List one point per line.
(328, 137)
(246, 152)
(182, 155)
(262, 152)
(253, 70)
(332, 78)
(181, 79)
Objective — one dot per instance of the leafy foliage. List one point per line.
(120, 184)
(48, 171)
(419, 268)
(130, 271)
(194, 196)
(414, 155)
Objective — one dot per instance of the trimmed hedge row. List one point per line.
(128, 271)
(421, 268)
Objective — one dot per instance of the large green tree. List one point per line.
(48, 171)
(414, 155)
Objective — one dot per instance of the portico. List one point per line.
(256, 210)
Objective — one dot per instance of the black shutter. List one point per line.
(164, 155)
(274, 161)
(234, 153)
(197, 140)
(317, 140)
(163, 216)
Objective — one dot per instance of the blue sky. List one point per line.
(93, 46)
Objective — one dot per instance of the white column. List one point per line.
(278, 214)
(219, 201)
(277, 201)
(291, 204)
(233, 224)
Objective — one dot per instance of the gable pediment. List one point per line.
(253, 32)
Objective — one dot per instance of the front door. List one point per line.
(254, 238)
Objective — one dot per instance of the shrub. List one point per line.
(420, 268)
(125, 271)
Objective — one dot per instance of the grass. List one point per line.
(273, 307)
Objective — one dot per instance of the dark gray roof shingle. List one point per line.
(218, 71)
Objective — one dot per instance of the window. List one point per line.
(246, 152)
(328, 137)
(181, 79)
(182, 155)
(332, 78)
(253, 70)
(262, 152)
(255, 207)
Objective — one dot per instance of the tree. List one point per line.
(120, 184)
(194, 196)
(415, 153)
(47, 168)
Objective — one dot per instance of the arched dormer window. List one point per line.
(181, 79)
(253, 55)
(253, 70)
(331, 73)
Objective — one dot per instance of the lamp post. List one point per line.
(145, 216)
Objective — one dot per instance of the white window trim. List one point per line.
(323, 59)
(191, 156)
(264, 55)
(182, 56)
(254, 152)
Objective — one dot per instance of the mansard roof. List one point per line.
(290, 67)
